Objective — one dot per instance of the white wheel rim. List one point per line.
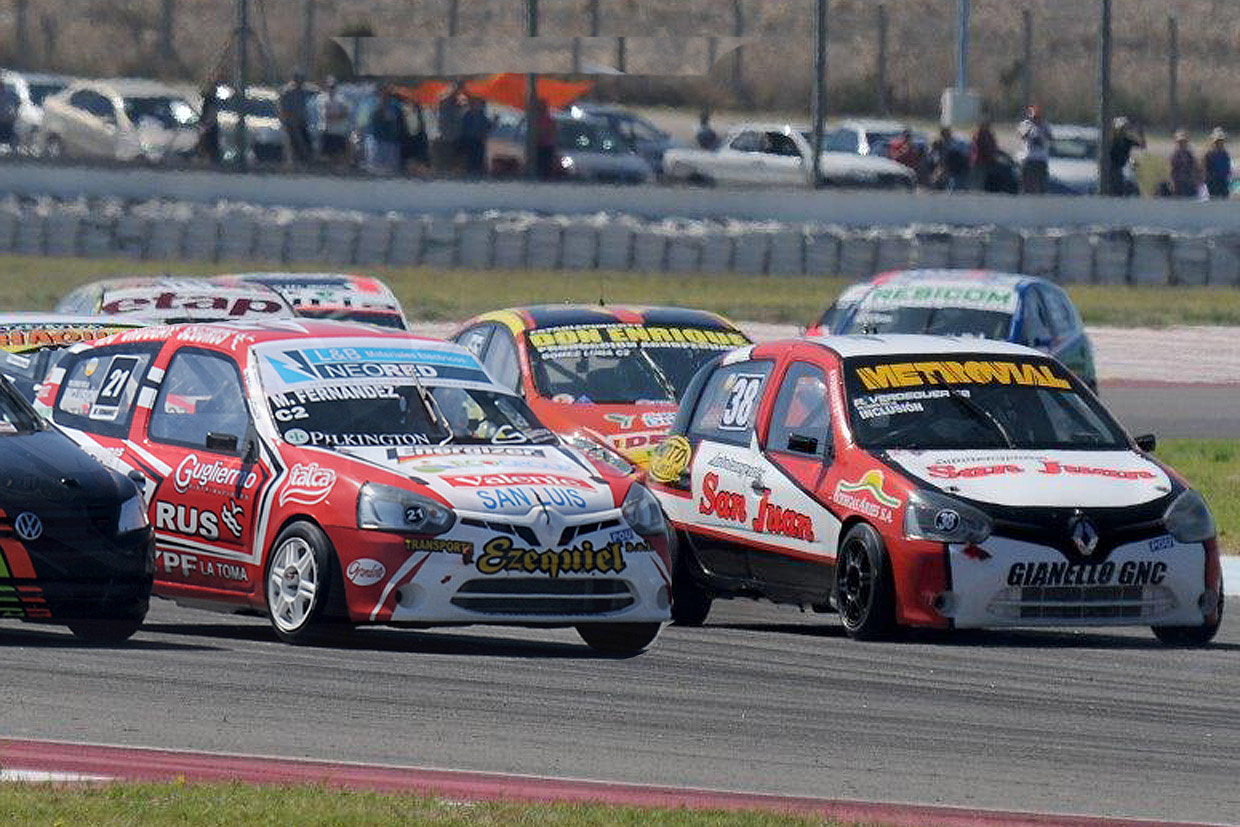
(292, 584)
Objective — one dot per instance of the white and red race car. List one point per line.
(925, 481)
(325, 473)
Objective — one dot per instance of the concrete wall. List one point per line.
(178, 230)
(447, 198)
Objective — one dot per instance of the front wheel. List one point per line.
(618, 638)
(299, 583)
(105, 631)
(690, 602)
(1189, 636)
(864, 591)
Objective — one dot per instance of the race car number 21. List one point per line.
(742, 399)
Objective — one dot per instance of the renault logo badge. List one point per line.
(1084, 535)
(28, 526)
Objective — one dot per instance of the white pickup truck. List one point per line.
(780, 155)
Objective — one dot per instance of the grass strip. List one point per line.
(35, 283)
(180, 804)
(1212, 466)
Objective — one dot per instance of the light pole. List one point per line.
(820, 86)
(1105, 184)
(531, 96)
(962, 45)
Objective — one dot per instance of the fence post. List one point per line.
(596, 18)
(1104, 99)
(880, 70)
(307, 37)
(1173, 72)
(1026, 58)
(454, 18)
(167, 13)
(242, 38)
(531, 96)
(21, 34)
(738, 57)
(820, 87)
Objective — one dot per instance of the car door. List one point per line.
(204, 508)
(738, 162)
(783, 161)
(725, 476)
(793, 556)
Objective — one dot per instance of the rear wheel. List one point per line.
(1187, 636)
(864, 592)
(299, 584)
(618, 638)
(105, 631)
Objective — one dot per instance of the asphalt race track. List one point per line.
(1176, 411)
(762, 699)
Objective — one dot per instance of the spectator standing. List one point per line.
(386, 128)
(475, 128)
(1217, 163)
(546, 161)
(9, 106)
(903, 149)
(336, 120)
(293, 108)
(1036, 137)
(415, 147)
(707, 137)
(951, 162)
(1124, 139)
(1185, 179)
(984, 157)
(451, 112)
(209, 124)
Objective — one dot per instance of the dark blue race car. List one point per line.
(1025, 310)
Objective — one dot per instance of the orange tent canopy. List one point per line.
(507, 89)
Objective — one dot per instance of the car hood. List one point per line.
(1054, 479)
(588, 162)
(500, 479)
(848, 163)
(1073, 171)
(47, 467)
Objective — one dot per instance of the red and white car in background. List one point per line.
(925, 481)
(329, 296)
(326, 473)
(174, 300)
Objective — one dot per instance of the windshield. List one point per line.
(40, 91)
(389, 393)
(254, 108)
(622, 364)
(974, 401)
(939, 321)
(171, 113)
(16, 415)
(584, 136)
(1074, 148)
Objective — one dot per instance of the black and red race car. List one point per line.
(75, 544)
(928, 481)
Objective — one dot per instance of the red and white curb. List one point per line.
(68, 762)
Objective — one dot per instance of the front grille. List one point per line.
(541, 596)
(574, 531)
(523, 531)
(1082, 602)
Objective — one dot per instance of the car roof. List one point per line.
(262, 331)
(897, 344)
(132, 87)
(1077, 131)
(874, 125)
(769, 126)
(993, 278)
(535, 317)
(278, 279)
(136, 287)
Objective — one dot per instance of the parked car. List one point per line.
(612, 374)
(326, 473)
(588, 149)
(642, 136)
(31, 89)
(329, 296)
(780, 155)
(1073, 166)
(31, 343)
(169, 300)
(920, 481)
(77, 548)
(1022, 309)
(120, 120)
(264, 134)
(864, 136)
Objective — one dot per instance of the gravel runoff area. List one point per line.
(1178, 355)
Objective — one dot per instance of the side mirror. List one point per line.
(802, 444)
(139, 479)
(1147, 443)
(222, 443)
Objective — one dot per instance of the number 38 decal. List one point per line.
(742, 399)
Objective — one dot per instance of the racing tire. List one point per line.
(864, 590)
(299, 581)
(104, 632)
(1191, 636)
(618, 638)
(690, 602)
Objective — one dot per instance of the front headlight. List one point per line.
(388, 508)
(132, 516)
(595, 450)
(942, 519)
(642, 512)
(1188, 519)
